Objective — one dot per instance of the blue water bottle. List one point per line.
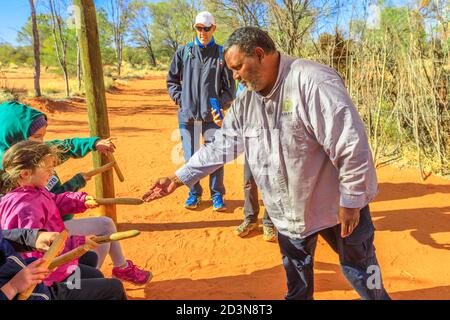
(216, 106)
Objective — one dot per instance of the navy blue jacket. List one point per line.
(194, 78)
(12, 241)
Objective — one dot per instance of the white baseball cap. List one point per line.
(205, 18)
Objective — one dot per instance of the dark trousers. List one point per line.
(251, 202)
(93, 285)
(356, 255)
(190, 140)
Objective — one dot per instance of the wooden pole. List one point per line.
(87, 30)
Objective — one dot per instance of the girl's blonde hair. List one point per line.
(25, 155)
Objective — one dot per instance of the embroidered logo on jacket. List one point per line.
(287, 107)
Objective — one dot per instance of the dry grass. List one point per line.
(401, 85)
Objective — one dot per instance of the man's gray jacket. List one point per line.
(306, 146)
(197, 74)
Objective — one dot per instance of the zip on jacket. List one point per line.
(196, 77)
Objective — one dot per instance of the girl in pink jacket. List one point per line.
(27, 167)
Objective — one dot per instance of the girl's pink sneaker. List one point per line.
(132, 274)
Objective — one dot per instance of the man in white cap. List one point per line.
(205, 26)
(198, 73)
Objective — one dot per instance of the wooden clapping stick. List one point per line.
(116, 167)
(109, 201)
(78, 252)
(128, 201)
(117, 236)
(69, 256)
(55, 249)
(99, 170)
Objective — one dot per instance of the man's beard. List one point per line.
(250, 86)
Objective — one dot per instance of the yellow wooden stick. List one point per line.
(116, 167)
(117, 236)
(78, 252)
(108, 201)
(99, 170)
(55, 249)
(69, 256)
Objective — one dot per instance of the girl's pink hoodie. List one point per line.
(32, 207)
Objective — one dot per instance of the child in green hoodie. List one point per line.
(19, 122)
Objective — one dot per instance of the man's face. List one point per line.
(204, 35)
(246, 69)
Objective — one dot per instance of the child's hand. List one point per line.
(105, 145)
(86, 177)
(216, 117)
(32, 275)
(90, 242)
(44, 240)
(90, 202)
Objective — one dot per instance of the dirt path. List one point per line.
(194, 254)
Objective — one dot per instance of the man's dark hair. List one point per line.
(249, 38)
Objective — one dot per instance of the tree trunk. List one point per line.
(66, 81)
(36, 46)
(119, 53)
(116, 16)
(151, 54)
(60, 52)
(78, 64)
(119, 64)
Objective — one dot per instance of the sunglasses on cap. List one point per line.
(200, 29)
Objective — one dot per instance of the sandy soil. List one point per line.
(194, 254)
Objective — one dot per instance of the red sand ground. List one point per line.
(194, 254)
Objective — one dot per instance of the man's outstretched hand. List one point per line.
(161, 188)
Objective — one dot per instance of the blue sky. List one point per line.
(14, 14)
